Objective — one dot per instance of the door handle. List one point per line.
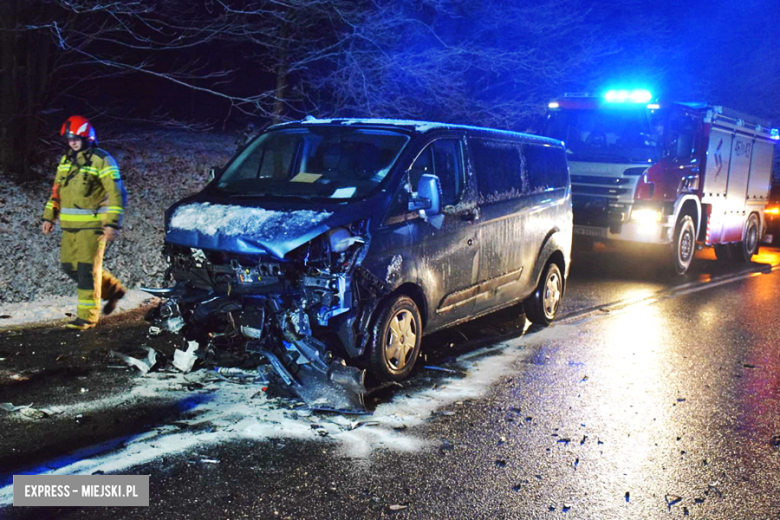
(470, 241)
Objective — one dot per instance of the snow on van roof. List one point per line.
(417, 126)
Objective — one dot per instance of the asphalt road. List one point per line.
(653, 396)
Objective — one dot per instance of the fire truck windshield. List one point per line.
(621, 135)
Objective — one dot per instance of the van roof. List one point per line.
(417, 126)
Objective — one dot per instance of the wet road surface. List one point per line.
(654, 396)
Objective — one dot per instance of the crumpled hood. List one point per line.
(255, 228)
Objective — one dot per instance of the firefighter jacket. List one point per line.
(88, 192)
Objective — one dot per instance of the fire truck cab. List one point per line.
(666, 173)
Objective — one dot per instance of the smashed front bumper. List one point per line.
(284, 313)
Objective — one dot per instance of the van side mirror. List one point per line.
(212, 173)
(428, 196)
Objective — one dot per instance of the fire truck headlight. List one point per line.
(646, 216)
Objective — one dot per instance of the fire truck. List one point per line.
(681, 176)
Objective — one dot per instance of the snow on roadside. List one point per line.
(237, 412)
(55, 308)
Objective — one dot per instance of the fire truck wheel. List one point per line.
(684, 244)
(749, 246)
(395, 341)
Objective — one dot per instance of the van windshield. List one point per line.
(620, 135)
(332, 162)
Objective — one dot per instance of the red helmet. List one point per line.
(78, 126)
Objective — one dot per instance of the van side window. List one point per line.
(500, 167)
(546, 167)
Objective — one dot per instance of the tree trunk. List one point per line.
(281, 78)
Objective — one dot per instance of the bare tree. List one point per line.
(490, 62)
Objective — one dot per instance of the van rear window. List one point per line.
(500, 169)
(546, 167)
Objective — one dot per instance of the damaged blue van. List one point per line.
(332, 246)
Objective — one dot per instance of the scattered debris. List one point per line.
(565, 441)
(400, 428)
(584, 379)
(397, 507)
(155, 331)
(628, 496)
(680, 399)
(84, 390)
(775, 441)
(500, 463)
(32, 413)
(713, 486)
(61, 357)
(445, 447)
(698, 500)
(442, 369)
(143, 365)
(358, 424)
(209, 461)
(584, 438)
(502, 440)
(9, 407)
(576, 462)
(184, 361)
(566, 508)
(672, 500)
(685, 511)
(748, 365)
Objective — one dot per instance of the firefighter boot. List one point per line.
(79, 324)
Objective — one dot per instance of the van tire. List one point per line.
(542, 306)
(684, 244)
(745, 250)
(391, 351)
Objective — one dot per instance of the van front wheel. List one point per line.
(396, 337)
(542, 306)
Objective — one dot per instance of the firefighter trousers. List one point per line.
(81, 257)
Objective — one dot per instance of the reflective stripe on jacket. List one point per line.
(88, 192)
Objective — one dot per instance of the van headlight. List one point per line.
(646, 216)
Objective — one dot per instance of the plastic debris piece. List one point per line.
(5, 316)
(209, 461)
(185, 360)
(584, 438)
(500, 463)
(566, 508)
(32, 413)
(400, 428)
(144, 365)
(445, 447)
(84, 390)
(748, 365)
(358, 424)
(672, 500)
(397, 507)
(501, 440)
(155, 331)
(442, 369)
(628, 496)
(9, 407)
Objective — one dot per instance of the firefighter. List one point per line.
(89, 199)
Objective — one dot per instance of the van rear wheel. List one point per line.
(542, 306)
(396, 337)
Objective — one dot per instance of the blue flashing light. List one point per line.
(774, 134)
(628, 96)
(653, 106)
(553, 104)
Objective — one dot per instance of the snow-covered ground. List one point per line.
(56, 308)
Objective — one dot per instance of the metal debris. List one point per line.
(442, 369)
(358, 424)
(144, 365)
